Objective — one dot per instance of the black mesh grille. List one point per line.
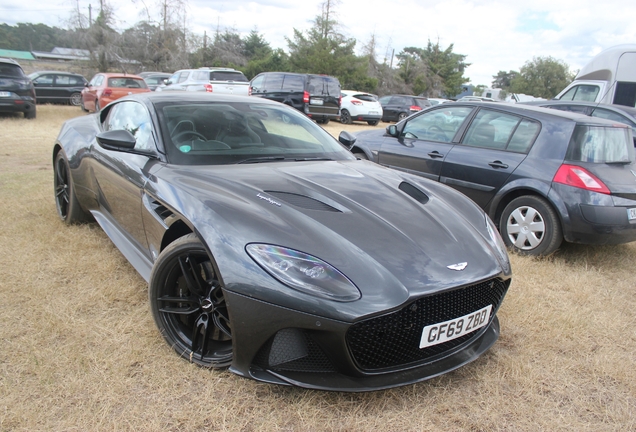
(303, 201)
(296, 346)
(393, 340)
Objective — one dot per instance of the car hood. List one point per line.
(353, 215)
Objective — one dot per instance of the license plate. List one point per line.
(435, 334)
(316, 102)
(373, 112)
(631, 213)
(5, 94)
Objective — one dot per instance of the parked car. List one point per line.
(398, 107)
(210, 80)
(270, 249)
(542, 175)
(476, 99)
(619, 113)
(155, 79)
(359, 106)
(17, 93)
(107, 87)
(317, 96)
(58, 87)
(437, 101)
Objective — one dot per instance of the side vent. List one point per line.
(303, 201)
(164, 213)
(413, 192)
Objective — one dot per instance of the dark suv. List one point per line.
(398, 107)
(17, 93)
(318, 96)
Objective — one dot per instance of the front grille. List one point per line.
(293, 350)
(393, 340)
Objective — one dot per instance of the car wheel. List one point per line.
(68, 207)
(402, 116)
(345, 117)
(187, 303)
(30, 114)
(530, 226)
(372, 123)
(75, 99)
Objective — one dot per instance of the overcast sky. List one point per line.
(494, 34)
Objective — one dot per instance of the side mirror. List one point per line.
(393, 131)
(117, 140)
(347, 139)
(168, 82)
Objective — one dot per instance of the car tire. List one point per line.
(68, 207)
(345, 117)
(402, 116)
(530, 226)
(30, 114)
(75, 99)
(372, 122)
(188, 306)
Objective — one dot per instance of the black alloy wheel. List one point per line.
(402, 116)
(68, 207)
(187, 303)
(345, 117)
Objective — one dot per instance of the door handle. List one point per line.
(435, 154)
(497, 164)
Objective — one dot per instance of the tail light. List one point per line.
(305, 97)
(415, 108)
(340, 101)
(356, 102)
(208, 88)
(578, 177)
(249, 91)
(107, 92)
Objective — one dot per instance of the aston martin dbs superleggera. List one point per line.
(271, 250)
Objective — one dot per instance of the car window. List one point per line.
(315, 86)
(184, 76)
(332, 87)
(11, 71)
(174, 78)
(625, 94)
(423, 103)
(491, 129)
(44, 80)
(611, 115)
(524, 136)
(274, 82)
(227, 76)
(68, 80)
(384, 100)
(200, 76)
(364, 97)
(134, 118)
(154, 80)
(584, 93)
(600, 144)
(99, 80)
(436, 125)
(294, 83)
(570, 108)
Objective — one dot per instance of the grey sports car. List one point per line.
(271, 250)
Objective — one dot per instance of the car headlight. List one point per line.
(500, 246)
(303, 272)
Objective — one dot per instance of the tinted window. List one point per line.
(399, 100)
(424, 103)
(274, 82)
(44, 80)
(571, 108)
(126, 83)
(601, 145)
(437, 125)
(315, 86)
(523, 136)
(227, 76)
(585, 93)
(134, 118)
(257, 83)
(611, 115)
(294, 83)
(384, 100)
(68, 80)
(332, 87)
(625, 94)
(364, 97)
(11, 71)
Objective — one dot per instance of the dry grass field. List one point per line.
(79, 350)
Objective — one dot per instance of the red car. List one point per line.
(107, 87)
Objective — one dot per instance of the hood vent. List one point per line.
(303, 201)
(413, 192)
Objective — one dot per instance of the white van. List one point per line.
(608, 78)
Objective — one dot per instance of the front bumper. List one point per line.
(282, 346)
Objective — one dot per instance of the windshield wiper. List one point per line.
(318, 158)
(261, 159)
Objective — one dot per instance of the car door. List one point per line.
(45, 88)
(424, 141)
(492, 147)
(89, 95)
(120, 177)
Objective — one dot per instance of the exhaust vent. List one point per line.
(413, 192)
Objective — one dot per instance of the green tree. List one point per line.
(503, 79)
(542, 77)
(478, 90)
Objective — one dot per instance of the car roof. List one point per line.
(55, 72)
(119, 75)
(9, 61)
(185, 96)
(533, 111)
(631, 111)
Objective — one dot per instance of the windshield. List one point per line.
(599, 144)
(213, 133)
(11, 71)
